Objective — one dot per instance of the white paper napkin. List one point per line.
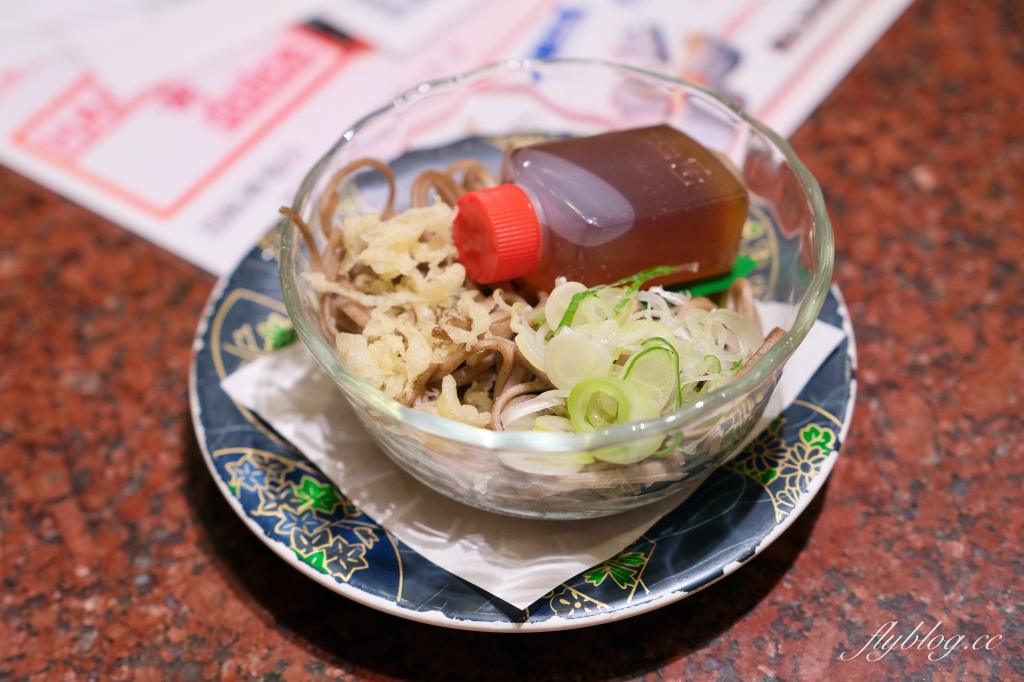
(516, 560)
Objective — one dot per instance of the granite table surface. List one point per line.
(119, 559)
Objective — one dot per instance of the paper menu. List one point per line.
(199, 163)
(200, 159)
(146, 42)
(21, 16)
(776, 58)
(399, 27)
(205, 121)
(164, 161)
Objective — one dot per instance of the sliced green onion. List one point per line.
(632, 283)
(545, 401)
(599, 403)
(571, 357)
(595, 311)
(596, 404)
(554, 424)
(746, 333)
(531, 348)
(547, 463)
(631, 453)
(688, 390)
(661, 341)
(666, 367)
(630, 334)
(638, 280)
(574, 305)
(676, 440)
(712, 365)
(644, 276)
(656, 369)
(559, 300)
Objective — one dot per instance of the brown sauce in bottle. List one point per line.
(615, 204)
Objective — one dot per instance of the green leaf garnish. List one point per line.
(743, 266)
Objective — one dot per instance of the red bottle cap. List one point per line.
(497, 234)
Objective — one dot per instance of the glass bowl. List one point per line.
(478, 114)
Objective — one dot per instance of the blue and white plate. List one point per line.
(302, 516)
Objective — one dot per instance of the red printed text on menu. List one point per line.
(205, 123)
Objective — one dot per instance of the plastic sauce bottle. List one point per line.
(598, 209)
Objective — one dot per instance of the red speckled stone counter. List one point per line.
(119, 559)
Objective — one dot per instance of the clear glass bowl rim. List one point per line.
(554, 442)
